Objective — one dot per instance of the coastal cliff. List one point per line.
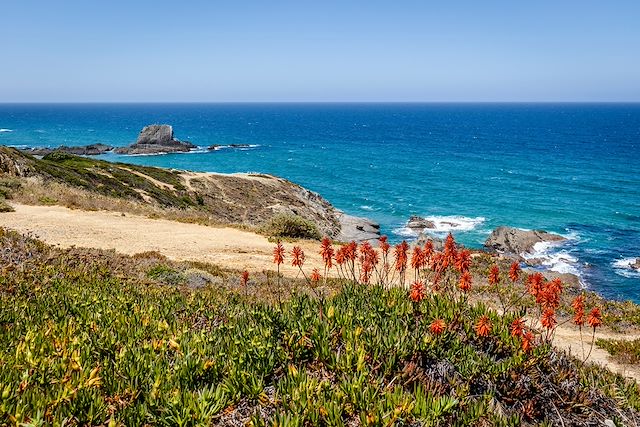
(250, 200)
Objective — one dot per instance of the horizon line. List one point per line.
(314, 102)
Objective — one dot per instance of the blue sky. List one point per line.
(319, 50)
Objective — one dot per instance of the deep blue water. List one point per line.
(568, 168)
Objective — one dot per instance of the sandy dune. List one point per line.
(227, 247)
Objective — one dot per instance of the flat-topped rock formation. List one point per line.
(83, 150)
(356, 229)
(419, 224)
(156, 139)
(515, 242)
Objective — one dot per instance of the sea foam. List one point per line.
(444, 224)
(5, 130)
(556, 257)
(623, 268)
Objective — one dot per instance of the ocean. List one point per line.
(573, 169)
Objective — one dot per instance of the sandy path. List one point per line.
(131, 234)
(227, 247)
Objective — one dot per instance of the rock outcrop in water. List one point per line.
(156, 139)
(514, 242)
(419, 224)
(84, 150)
(438, 243)
(636, 265)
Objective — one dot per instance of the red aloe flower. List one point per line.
(244, 278)
(416, 258)
(315, 276)
(465, 282)
(550, 294)
(463, 262)
(384, 245)
(297, 257)
(437, 326)
(548, 319)
(450, 251)
(326, 251)
(341, 257)
(527, 341)
(278, 253)
(494, 275)
(351, 251)
(578, 309)
(517, 328)
(483, 326)
(417, 293)
(595, 318)
(514, 271)
(534, 285)
(400, 252)
(428, 251)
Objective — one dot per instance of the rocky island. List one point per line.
(157, 139)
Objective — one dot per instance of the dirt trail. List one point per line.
(131, 234)
(227, 247)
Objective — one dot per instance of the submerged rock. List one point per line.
(438, 243)
(636, 265)
(419, 224)
(356, 228)
(83, 150)
(515, 242)
(156, 139)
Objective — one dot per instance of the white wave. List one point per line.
(366, 208)
(554, 257)
(5, 130)
(623, 267)
(405, 232)
(446, 224)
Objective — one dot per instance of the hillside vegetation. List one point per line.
(249, 200)
(90, 337)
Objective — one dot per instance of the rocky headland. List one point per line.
(83, 150)
(514, 242)
(157, 139)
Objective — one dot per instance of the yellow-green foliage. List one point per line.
(80, 345)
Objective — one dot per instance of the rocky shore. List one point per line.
(515, 242)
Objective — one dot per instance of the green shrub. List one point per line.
(291, 226)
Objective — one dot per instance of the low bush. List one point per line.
(291, 226)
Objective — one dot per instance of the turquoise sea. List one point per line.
(573, 169)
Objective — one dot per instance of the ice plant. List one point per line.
(437, 326)
(514, 271)
(483, 326)
(417, 292)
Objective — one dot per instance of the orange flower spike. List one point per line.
(527, 341)
(326, 251)
(278, 253)
(483, 326)
(417, 292)
(341, 256)
(427, 252)
(437, 326)
(534, 285)
(494, 275)
(400, 252)
(595, 318)
(244, 278)
(450, 251)
(517, 328)
(548, 319)
(315, 276)
(384, 244)
(465, 282)
(514, 271)
(416, 258)
(578, 309)
(297, 257)
(351, 251)
(463, 261)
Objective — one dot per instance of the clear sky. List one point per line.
(235, 50)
